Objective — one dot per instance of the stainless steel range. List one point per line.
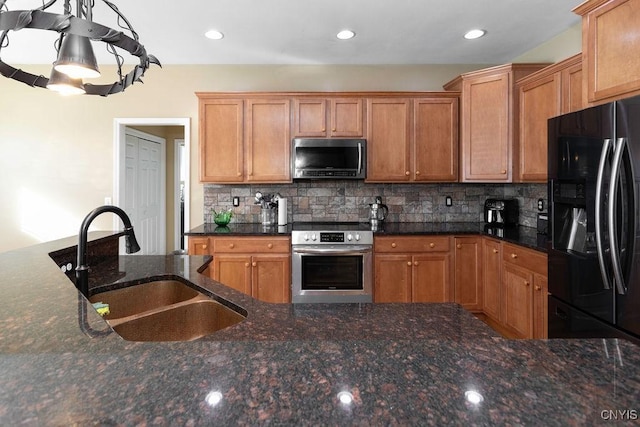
(332, 263)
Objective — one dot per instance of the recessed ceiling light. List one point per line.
(345, 35)
(214, 35)
(474, 34)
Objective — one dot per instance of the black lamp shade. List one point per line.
(76, 58)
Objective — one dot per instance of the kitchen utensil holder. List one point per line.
(268, 216)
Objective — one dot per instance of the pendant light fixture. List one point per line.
(65, 85)
(75, 56)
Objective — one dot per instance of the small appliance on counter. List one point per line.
(543, 229)
(501, 212)
(377, 213)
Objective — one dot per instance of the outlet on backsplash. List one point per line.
(348, 201)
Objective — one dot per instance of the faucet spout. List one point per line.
(82, 269)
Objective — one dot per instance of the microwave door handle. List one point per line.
(359, 158)
(613, 204)
(606, 147)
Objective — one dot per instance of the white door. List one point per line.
(144, 190)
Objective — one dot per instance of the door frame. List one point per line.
(176, 189)
(119, 141)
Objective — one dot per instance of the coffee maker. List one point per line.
(501, 212)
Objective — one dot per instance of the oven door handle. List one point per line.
(352, 250)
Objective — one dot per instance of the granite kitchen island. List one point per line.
(285, 364)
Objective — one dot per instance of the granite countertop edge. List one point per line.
(520, 235)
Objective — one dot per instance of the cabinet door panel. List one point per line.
(271, 277)
(233, 271)
(268, 140)
(518, 300)
(310, 117)
(388, 139)
(485, 131)
(572, 96)
(540, 307)
(392, 278)
(431, 278)
(468, 272)
(492, 278)
(346, 117)
(539, 101)
(612, 49)
(221, 140)
(435, 135)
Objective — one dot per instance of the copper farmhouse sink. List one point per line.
(164, 310)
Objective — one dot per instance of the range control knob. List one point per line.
(357, 237)
(313, 237)
(349, 237)
(306, 237)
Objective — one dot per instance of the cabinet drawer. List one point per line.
(251, 245)
(399, 244)
(526, 258)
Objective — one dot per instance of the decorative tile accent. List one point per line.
(348, 201)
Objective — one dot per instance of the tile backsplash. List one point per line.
(348, 201)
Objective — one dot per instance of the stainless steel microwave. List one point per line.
(316, 158)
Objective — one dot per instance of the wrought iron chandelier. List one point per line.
(76, 60)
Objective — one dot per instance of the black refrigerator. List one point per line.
(594, 256)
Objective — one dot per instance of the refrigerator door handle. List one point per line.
(606, 147)
(613, 204)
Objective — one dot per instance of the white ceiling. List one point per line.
(303, 31)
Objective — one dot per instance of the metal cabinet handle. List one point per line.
(538, 288)
(254, 264)
(270, 246)
(495, 251)
(417, 172)
(459, 246)
(409, 263)
(204, 246)
(416, 263)
(432, 245)
(527, 283)
(407, 173)
(503, 171)
(231, 246)
(246, 264)
(514, 256)
(393, 245)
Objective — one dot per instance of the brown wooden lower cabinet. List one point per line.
(492, 278)
(412, 269)
(468, 275)
(256, 266)
(524, 282)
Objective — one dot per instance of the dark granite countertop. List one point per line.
(523, 236)
(407, 364)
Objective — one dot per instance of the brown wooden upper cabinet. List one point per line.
(244, 139)
(413, 139)
(221, 140)
(554, 90)
(610, 48)
(343, 115)
(489, 122)
(268, 140)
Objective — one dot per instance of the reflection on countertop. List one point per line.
(288, 364)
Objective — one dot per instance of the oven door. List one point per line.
(331, 274)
